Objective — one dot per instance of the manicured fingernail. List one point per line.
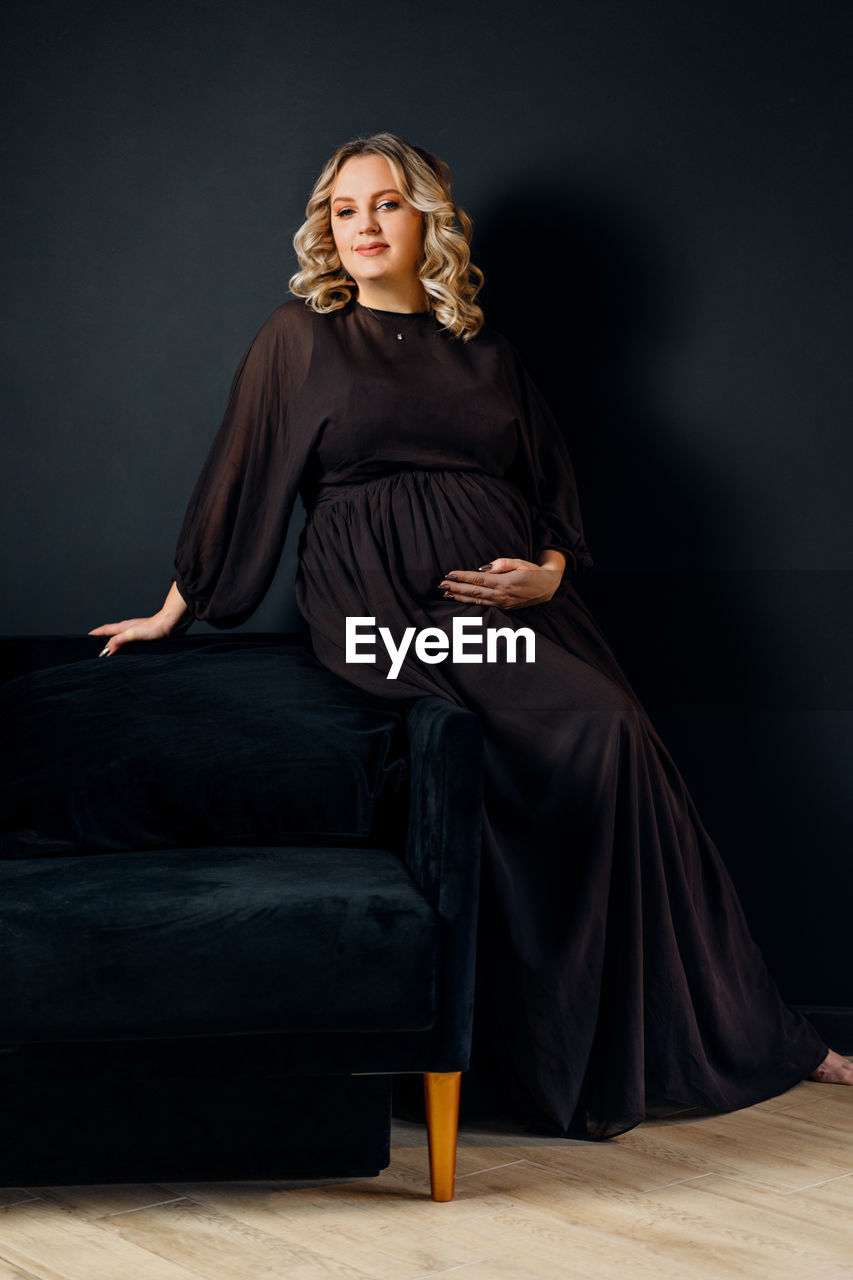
(451, 576)
(104, 651)
(448, 593)
(484, 566)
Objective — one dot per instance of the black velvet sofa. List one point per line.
(237, 896)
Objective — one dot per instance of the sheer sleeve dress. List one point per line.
(614, 962)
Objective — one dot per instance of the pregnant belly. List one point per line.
(390, 540)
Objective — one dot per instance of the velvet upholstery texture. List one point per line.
(307, 944)
(221, 744)
(200, 941)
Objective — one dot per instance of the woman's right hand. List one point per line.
(174, 616)
(131, 629)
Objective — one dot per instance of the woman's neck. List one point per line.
(400, 298)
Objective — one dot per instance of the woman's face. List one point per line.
(377, 232)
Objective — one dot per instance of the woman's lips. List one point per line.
(369, 250)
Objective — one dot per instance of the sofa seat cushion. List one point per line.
(214, 941)
(223, 744)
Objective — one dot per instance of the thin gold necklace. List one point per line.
(400, 336)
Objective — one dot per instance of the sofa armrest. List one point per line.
(443, 847)
(445, 816)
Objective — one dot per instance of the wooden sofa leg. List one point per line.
(441, 1096)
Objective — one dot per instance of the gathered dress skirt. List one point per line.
(615, 963)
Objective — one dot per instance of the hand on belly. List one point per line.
(505, 582)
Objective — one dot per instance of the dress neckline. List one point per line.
(362, 306)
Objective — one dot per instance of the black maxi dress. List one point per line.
(615, 963)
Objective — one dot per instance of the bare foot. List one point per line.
(834, 1070)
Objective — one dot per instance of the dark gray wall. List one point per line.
(662, 206)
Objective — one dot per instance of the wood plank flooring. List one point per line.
(760, 1194)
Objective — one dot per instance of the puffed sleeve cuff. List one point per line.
(571, 570)
(577, 560)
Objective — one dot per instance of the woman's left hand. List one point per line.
(507, 583)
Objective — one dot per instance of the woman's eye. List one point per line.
(347, 210)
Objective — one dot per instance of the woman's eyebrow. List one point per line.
(385, 192)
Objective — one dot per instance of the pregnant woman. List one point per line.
(615, 963)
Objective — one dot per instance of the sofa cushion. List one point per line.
(214, 941)
(223, 744)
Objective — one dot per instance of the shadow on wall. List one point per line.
(588, 320)
(744, 673)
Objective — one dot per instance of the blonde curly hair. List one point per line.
(445, 270)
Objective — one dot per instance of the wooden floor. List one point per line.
(766, 1193)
